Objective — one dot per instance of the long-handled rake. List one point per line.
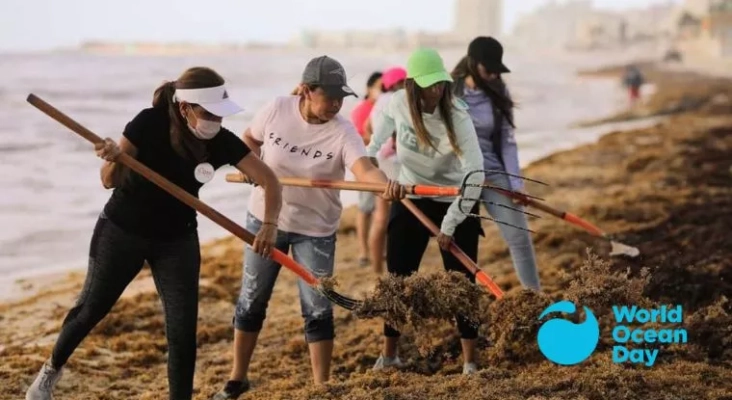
(617, 247)
(425, 190)
(191, 201)
(418, 190)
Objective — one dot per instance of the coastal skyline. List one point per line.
(35, 25)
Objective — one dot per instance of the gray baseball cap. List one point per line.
(328, 74)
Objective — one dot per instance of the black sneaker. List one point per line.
(232, 390)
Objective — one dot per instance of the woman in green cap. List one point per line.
(436, 145)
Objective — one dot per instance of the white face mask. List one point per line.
(204, 129)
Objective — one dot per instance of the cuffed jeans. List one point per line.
(317, 254)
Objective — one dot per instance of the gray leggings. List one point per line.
(115, 258)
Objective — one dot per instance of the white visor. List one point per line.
(215, 100)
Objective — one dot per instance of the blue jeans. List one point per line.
(317, 254)
(519, 241)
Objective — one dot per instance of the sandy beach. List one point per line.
(666, 189)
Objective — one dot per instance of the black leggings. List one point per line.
(407, 241)
(115, 258)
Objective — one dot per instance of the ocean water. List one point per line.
(51, 192)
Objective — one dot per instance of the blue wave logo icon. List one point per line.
(565, 342)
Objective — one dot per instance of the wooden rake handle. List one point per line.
(419, 190)
(173, 189)
(564, 215)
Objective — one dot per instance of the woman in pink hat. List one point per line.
(359, 117)
(392, 80)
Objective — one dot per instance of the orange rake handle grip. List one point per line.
(173, 189)
(420, 190)
(286, 261)
(480, 276)
(439, 191)
(584, 224)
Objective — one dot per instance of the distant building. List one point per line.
(477, 18)
(553, 25)
(577, 25)
(601, 29)
(704, 28)
(387, 40)
(472, 18)
(383, 40)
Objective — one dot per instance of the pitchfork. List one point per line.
(617, 247)
(426, 190)
(417, 190)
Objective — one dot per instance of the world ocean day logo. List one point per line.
(567, 343)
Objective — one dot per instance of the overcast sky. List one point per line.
(44, 24)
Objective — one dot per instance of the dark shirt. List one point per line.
(139, 206)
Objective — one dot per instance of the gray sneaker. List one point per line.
(232, 390)
(469, 368)
(387, 362)
(42, 387)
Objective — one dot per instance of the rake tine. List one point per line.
(495, 171)
(485, 185)
(462, 199)
(343, 301)
(498, 222)
(515, 209)
(498, 188)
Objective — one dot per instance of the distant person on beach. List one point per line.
(359, 117)
(633, 80)
(301, 136)
(181, 138)
(437, 145)
(478, 82)
(392, 81)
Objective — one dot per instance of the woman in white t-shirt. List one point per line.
(303, 136)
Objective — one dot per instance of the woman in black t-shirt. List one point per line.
(180, 138)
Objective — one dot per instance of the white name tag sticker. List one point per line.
(204, 172)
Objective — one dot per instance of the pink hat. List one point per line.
(392, 76)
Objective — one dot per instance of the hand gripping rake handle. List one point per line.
(480, 276)
(193, 202)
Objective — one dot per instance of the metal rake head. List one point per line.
(507, 191)
(501, 172)
(486, 185)
(474, 215)
(341, 300)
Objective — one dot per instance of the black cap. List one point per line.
(328, 74)
(488, 52)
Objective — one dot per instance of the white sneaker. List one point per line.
(386, 362)
(469, 368)
(42, 387)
